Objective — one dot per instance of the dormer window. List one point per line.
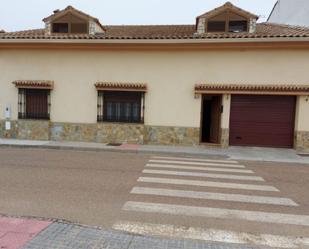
(216, 26)
(238, 26)
(227, 22)
(60, 28)
(72, 21)
(226, 19)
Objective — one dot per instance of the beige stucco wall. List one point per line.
(225, 117)
(302, 114)
(170, 77)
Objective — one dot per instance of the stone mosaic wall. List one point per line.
(102, 133)
(120, 133)
(12, 133)
(73, 132)
(33, 129)
(161, 135)
(302, 141)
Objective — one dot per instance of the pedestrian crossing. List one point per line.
(218, 181)
(199, 163)
(225, 185)
(207, 175)
(170, 166)
(214, 196)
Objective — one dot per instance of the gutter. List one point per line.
(154, 41)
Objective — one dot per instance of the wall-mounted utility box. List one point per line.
(7, 125)
(7, 112)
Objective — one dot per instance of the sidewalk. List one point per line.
(35, 234)
(234, 153)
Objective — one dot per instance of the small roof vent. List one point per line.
(56, 11)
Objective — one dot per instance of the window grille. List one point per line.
(33, 104)
(121, 106)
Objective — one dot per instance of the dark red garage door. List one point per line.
(266, 121)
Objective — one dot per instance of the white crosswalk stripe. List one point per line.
(214, 235)
(244, 171)
(221, 213)
(198, 163)
(218, 176)
(211, 184)
(194, 159)
(189, 172)
(214, 196)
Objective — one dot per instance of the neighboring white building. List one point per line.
(292, 12)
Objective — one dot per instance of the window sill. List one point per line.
(34, 119)
(120, 123)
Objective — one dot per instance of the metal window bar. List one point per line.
(21, 103)
(37, 111)
(121, 109)
(143, 107)
(48, 104)
(100, 111)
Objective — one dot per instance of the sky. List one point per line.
(28, 14)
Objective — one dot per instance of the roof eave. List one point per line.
(155, 41)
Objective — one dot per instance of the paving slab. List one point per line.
(14, 232)
(69, 236)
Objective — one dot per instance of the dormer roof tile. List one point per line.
(227, 6)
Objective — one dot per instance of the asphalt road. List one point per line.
(219, 200)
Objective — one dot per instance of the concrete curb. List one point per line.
(135, 151)
(240, 154)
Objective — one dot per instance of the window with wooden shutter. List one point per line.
(34, 104)
(121, 106)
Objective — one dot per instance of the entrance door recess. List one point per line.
(211, 118)
(266, 121)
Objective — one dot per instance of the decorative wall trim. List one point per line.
(117, 86)
(37, 84)
(252, 89)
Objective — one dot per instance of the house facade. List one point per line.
(225, 80)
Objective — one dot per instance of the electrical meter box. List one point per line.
(7, 125)
(7, 112)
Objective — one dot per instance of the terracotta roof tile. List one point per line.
(39, 84)
(118, 86)
(68, 8)
(72, 9)
(245, 88)
(153, 32)
(227, 5)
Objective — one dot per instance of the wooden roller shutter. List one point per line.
(266, 121)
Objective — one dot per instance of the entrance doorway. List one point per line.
(211, 118)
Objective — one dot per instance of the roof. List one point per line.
(224, 7)
(70, 8)
(159, 32)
